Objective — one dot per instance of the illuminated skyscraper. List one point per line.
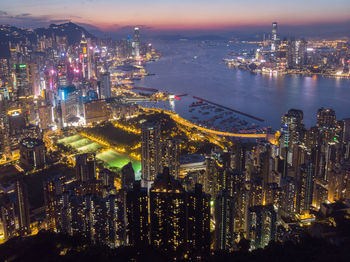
(274, 37)
(85, 58)
(296, 55)
(136, 43)
(150, 152)
(21, 83)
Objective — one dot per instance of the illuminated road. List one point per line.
(189, 124)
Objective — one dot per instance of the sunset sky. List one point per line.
(170, 14)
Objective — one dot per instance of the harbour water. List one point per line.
(196, 68)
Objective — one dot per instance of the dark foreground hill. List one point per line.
(47, 246)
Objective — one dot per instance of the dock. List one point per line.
(230, 109)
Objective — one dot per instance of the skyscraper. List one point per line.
(22, 207)
(128, 176)
(150, 152)
(32, 153)
(136, 43)
(198, 220)
(171, 156)
(105, 85)
(274, 37)
(261, 225)
(21, 82)
(224, 221)
(7, 216)
(167, 213)
(85, 169)
(53, 188)
(137, 215)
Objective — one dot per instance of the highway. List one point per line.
(189, 124)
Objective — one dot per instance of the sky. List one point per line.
(110, 15)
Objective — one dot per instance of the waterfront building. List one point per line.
(274, 38)
(136, 43)
(296, 54)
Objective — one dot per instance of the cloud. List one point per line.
(2, 13)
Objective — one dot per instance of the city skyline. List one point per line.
(157, 15)
(187, 131)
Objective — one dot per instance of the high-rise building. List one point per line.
(171, 156)
(167, 213)
(22, 206)
(289, 188)
(346, 130)
(296, 54)
(292, 129)
(84, 57)
(69, 96)
(32, 153)
(7, 217)
(305, 188)
(95, 111)
(85, 169)
(45, 117)
(137, 215)
(53, 188)
(150, 152)
(274, 37)
(33, 77)
(128, 176)
(327, 125)
(105, 85)
(326, 117)
(136, 43)
(21, 83)
(224, 221)
(261, 225)
(198, 220)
